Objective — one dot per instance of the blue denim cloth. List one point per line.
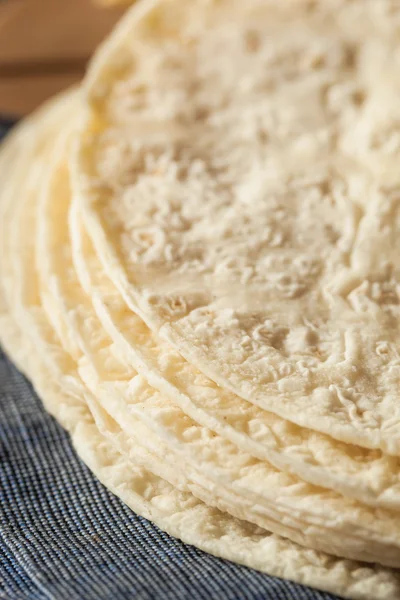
(64, 536)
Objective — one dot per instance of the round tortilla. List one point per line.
(365, 475)
(353, 534)
(218, 179)
(201, 456)
(182, 516)
(30, 338)
(177, 513)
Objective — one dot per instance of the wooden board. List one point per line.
(45, 46)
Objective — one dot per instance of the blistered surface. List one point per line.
(178, 513)
(239, 178)
(366, 475)
(200, 455)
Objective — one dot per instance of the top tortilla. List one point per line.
(237, 174)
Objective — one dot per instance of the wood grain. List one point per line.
(20, 96)
(45, 46)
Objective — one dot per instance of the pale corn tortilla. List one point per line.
(225, 465)
(237, 220)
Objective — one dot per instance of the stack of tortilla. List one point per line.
(200, 273)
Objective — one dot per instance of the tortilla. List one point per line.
(23, 295)
(200, 455)
(125, 452)
(182, 516)
(366, 475)
(217, 179)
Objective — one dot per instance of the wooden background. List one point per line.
(45, 46)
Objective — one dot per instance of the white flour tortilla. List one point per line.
(182, 516)
(179, 513)
(24, 297)
(216, 460)
(354, 533)
(236, 220)
(366, 475)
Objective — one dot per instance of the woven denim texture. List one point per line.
(64, 536)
